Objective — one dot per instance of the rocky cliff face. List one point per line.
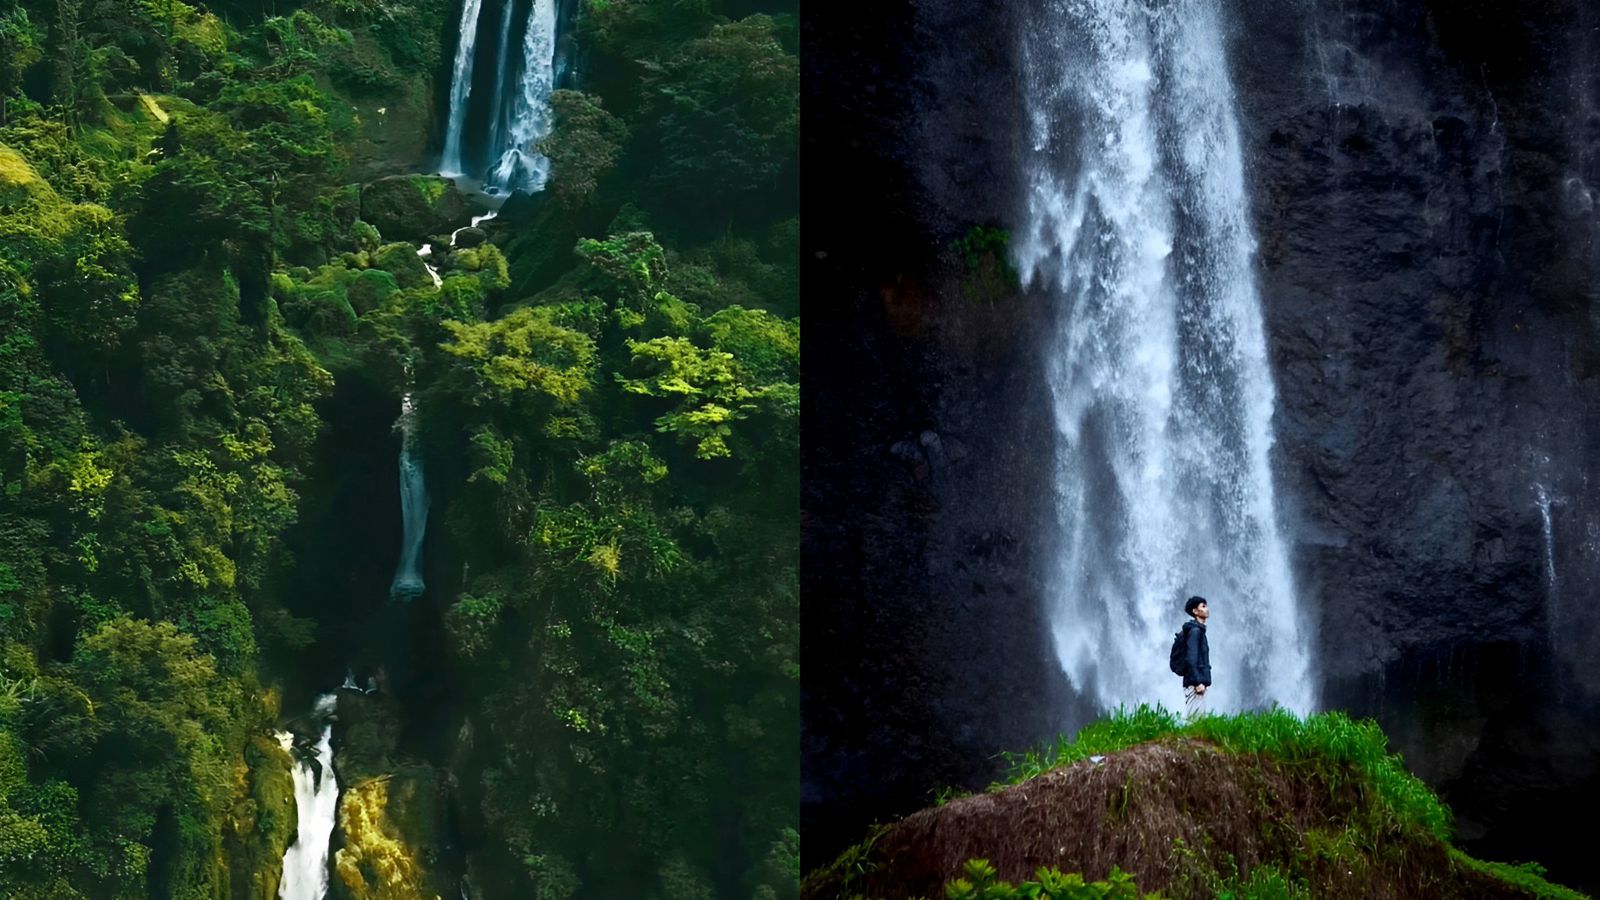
(1424, 183)
(1423, 186)
(923, 486)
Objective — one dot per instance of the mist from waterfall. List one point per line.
(316, 796)
(407, 583)
(1137, 225)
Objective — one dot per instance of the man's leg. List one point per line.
(1192, 703)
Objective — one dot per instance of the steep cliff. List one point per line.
(1420, 183)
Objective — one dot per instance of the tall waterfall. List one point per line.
(316, 797)
(413, 507)
(528, 120)
(518, 114)
(1137, 223)
(461, 87)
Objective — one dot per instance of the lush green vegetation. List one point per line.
(1259, 805)
(610, 417)
(981, 883)
(1331, 739)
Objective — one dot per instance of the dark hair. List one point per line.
(1191, 603)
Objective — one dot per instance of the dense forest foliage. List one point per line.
(203, 344)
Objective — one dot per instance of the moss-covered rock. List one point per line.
(411, 207)
(402, 261)
(390, 832)
(263, 822)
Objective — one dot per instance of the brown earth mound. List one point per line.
(1172, 813)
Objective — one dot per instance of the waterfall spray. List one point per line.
(1137, 224)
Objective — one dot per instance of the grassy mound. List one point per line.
(1253, 805)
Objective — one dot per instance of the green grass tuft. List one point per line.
(1279, 733)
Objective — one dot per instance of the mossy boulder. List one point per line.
(471, 237)
(369, 731)
(402, 261)
(263, 821)
(411, 207)
(390, 832)
(370, 289)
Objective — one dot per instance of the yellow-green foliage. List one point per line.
(982, 883)
(489, 263)
(377, 862)
(20, 185)
(1326, 737)
(73, 253)
(431, 188)
(190, 25)
(522, 355)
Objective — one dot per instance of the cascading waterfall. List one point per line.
(1138, 224)
(461, 88)
(519, 114)
(520, 166)
(497, 101)
(316, 796)
(413, 507)
(426, 252)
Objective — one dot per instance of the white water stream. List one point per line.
(426, 252)
(1138, 226)
(316, 796)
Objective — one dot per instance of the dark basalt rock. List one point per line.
(470, 237)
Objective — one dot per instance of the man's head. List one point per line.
(1196, 606)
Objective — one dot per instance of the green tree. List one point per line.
(727, 109)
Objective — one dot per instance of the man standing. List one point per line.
(1197, 655)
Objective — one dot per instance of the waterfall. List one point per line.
(413, 507)
(1137, 226)
(502, 72)
(426, 252)
(316, 797)
(461, 87)
(519, 165)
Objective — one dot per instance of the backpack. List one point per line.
(1179, 659)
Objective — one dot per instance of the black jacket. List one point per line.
(1198, 654)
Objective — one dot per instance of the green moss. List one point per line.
(20, 184)
(980, 882)
(989, 273)
(429, 187)
(1527, 876)
(264, 821)
(1325, 738)
(389, 834)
